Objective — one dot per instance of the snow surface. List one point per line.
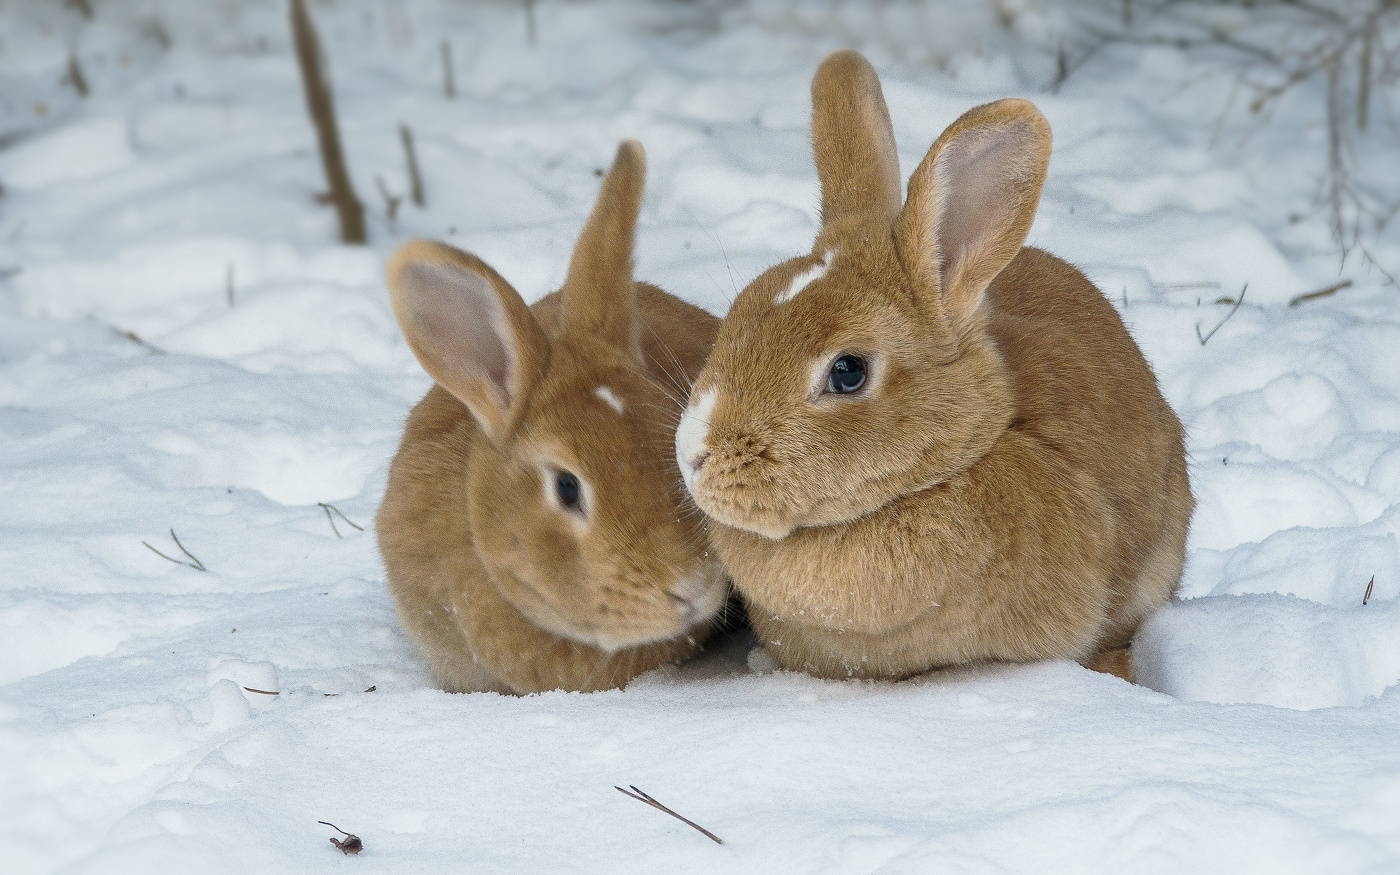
(184, 347)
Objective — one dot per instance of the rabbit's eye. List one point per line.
(567, 488)
(847, 375)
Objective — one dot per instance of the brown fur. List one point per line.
(500, 585)
(1009, 484)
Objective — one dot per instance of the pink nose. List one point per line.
(696, 461)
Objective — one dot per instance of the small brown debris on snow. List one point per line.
(351, 844)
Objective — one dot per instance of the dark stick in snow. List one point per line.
(643, 797)
(193, 563)
(322, 109)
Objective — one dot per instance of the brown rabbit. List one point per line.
(923, 445)
(534, 530)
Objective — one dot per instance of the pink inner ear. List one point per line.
(457, 330)
(980, 172)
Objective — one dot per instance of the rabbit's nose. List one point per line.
(696, 461)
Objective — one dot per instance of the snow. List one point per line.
(186, 352)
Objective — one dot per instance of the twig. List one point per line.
(1370, 586)
(321, 107)
(1320, 293)
(83, 6)
(75, 75)
(136, 339)
(264, 692)
(228, 284)
(351, 844)
(643, 797)
(1238, 302)
(330, 507)
(415, 179)
(531, 33)
(193, 563)
(449, 83)
(391, 201)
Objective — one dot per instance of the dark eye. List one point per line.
(567, 488)
(847, 375)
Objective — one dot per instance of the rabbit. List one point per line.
(534, 528)
(924, 445)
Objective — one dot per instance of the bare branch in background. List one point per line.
(531, 33)
(415, 179)
(1351, 47)
(83, 6)
(449, 82)
(391, 201)
(75, 76)
(1320, 293)
(321, 107)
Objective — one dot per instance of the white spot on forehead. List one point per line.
(692, 433)
(610, 397)
(805, 279)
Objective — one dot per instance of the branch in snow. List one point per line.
(193, 563)
(643, 797)
(321, 107)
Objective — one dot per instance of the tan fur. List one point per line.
(1008, 485)
(499, 584)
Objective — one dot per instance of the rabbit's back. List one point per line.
(1083, 390)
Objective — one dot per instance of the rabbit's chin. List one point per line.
(759, 521)
(691, 603)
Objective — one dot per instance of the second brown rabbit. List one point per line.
(923, 445)
(534, 530)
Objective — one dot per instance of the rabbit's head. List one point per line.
(574, 501)
(846, 378)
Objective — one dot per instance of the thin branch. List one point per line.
(391, 201)
(449, 82)
(193, 563)
(321, 107)
(1370, 586)
(1238, 302)
(330, 507)
(75, 75)
(137, 339)
(531, 32)
(643, 797)
(264, 692)
(1320, 293)
(415, 179)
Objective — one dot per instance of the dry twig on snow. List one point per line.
(193, 563)
(350, 845)
(643, 797)
(330, 507)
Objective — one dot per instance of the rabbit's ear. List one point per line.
(971, 202)
(470, 330)
(852, 139)
(599, 298)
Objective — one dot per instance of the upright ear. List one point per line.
(971, 203)
(852, 139)
(470, 330)
(599, 297)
